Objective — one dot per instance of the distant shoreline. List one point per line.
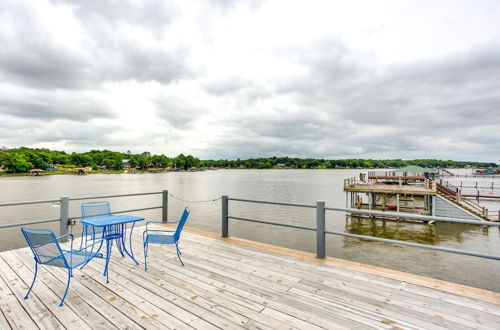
(48, 173)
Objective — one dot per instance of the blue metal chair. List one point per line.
(93, 210)
(161, 236)
(46, 250)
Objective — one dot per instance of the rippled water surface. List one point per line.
(294, 186)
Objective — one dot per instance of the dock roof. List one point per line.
(412, 169)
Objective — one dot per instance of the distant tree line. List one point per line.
(312, 163)
(23, 159)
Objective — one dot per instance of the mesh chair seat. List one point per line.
(73, 258)
(160, 239)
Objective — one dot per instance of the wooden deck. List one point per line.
(235, 284)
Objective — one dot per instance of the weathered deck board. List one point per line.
(229, 286)
(360, 289)
(39, 313)
(65, 315)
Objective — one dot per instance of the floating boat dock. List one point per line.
(416, 190)
(231, 283)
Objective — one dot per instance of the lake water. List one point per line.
(294, 186)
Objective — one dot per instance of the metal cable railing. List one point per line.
(321, 231)
(66, 221)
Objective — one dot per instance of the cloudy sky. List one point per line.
(228, 79)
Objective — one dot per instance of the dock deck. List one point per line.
(235, 284)
(390, 189)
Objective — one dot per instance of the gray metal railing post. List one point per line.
(225, 220)
(164, 211)
(320, 229)
(64, 217)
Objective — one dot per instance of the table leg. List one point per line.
(119, 241)
(109, 245)
(131, 253)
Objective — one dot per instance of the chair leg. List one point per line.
(70, 275)
(34, 278)
(178, 253)
(145, 255)
(81, 238)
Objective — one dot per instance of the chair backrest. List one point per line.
(182, 221)
(43, 244)
(95, 210)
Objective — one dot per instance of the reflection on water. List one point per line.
(397, 230)
(415, 232)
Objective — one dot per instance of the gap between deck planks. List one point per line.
(449, 287)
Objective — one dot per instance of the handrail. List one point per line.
(321, 231)
(415, 216)
(27, 223)
(63, 202)
(113, 196)
(30, 202)
(272, 223)
(125, 211)
(76, 199)
(272, 203)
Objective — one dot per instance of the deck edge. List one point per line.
(420, 280)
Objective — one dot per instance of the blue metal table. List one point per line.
(114, 229)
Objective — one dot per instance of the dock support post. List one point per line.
(64, 218)
(225, 220)
(320, 229)
(164, 211)
(433, 205)
(397, 202)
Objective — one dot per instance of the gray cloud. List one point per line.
(154, 14)
(227, 85)
(30, 55)
(51, 107)
(351, 107)
(179, 113)
(28, 132)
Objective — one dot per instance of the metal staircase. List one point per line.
(453, 194)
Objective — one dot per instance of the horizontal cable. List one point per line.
(31, 202)
(272, 203)
(26, 223)
(194, 201)
(113, 196)
(118, 212)
(271, 223)
(415, 216)
(424, 246)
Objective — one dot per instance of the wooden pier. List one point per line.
(234, 284)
